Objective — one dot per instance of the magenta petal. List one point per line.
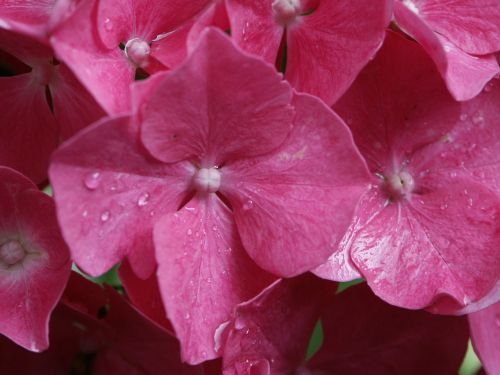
(205, 119)
(254, 28)
(292, 207)
(364, 335)
(105, 73)
(470, 25)
(328, 48)
(464, 74)
(119, 21)
(485, 332)
(272, 330)
(203, 273)
(74, 107)
(136, 345)
(31, 283)
(440, 244)
(144, 294)
(28, 131)
(109, 193)
(340, 267)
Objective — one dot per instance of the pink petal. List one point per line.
(390, 109)
(31, 287)
(470, 25)
(293, 206)
(273, 329)
(474, 141)
(30, 17)
(137, 345)
(118, 22)
(329, 47)
(364, 335)
(339, 266)
(465, 75)
(435, 247)
(74, 107)
(28, 130)
(105, 73)
(144, 294)
(109, 193)
(205, 119)
(203, 273)
(214, 15)
(254, 28)
(485, 332)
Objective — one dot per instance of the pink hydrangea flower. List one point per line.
(34, 261)
(229, 167)
(362, 334)
(485, 332)
(461, 36)
(426, 234)
(42, 103)
(327, 42)
(106, 41)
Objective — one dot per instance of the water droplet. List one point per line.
(91, 181)
(444, 206)
(187, 316)
(463, 117)
(248, 205)
(105, 216)
(189, 232)
(239, 323)
(214, 228)
(85, 213)
(143, 200)
(108, 24)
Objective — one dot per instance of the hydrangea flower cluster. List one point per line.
(232, 164)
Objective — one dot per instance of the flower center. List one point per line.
(400, 184)
(207, 180)
(137, 51)
(11, 253)
(286, 11)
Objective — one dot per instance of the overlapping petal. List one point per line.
(327, 45)
(227, 122)
(439, 237)
(292, 207)
(464, 74)
(109, 192)
(203, 273)
(34, 261)
(269, 334)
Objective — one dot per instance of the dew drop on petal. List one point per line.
(108, 24)
(85, 213)
(463, 117)
(143, 200)
(91, 180)
(248, 205)
(189, 232)
(105, 216)
(187, 316)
